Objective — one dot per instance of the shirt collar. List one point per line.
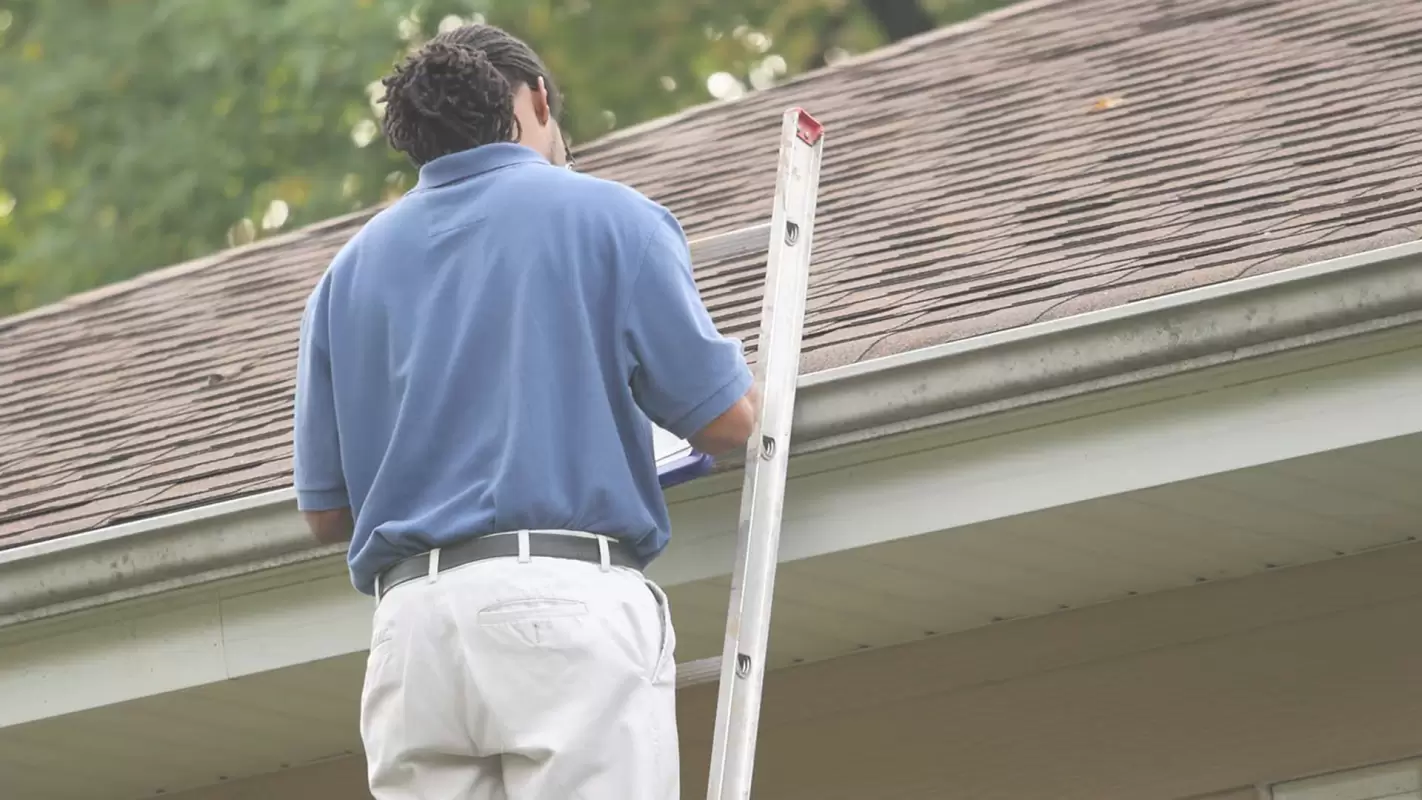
(475, 161)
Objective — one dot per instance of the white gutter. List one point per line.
(1033, 364)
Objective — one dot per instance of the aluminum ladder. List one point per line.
(741, 667)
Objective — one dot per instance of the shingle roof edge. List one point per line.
(1377, 290)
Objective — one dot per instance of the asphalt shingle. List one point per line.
(1058, 157)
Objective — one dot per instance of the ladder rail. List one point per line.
(777, 371)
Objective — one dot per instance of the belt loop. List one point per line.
(377, 589)
(523, 555)
(604, 557)
(434, 565)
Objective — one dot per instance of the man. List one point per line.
(476, 372)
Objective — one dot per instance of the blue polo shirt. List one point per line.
(484, 355)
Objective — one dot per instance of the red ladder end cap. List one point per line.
(807, 127)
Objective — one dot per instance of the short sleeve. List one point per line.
(316, 449)
(685, 374)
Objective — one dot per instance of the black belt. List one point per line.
(540, 543)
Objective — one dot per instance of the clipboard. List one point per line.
(677, 461)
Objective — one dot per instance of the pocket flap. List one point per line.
(534, 608)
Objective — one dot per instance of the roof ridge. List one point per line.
(887, 51)
(180, 269)
(172, 271)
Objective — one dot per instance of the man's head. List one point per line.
(471, 86)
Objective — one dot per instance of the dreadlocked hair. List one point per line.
(456, 92)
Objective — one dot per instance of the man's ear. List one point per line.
(540, 102)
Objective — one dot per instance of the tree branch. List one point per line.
(899, 19)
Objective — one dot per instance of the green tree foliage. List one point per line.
(139, 133)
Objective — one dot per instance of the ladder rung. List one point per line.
(740, 242)
(695, 673)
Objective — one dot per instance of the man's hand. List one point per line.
(330, 527)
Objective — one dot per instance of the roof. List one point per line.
(1057, 157)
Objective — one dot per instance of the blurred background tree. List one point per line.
(139, 134)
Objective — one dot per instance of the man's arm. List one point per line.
(730, 430)
(316, 449)
(686, 376)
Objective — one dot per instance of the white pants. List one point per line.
(549, 679)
